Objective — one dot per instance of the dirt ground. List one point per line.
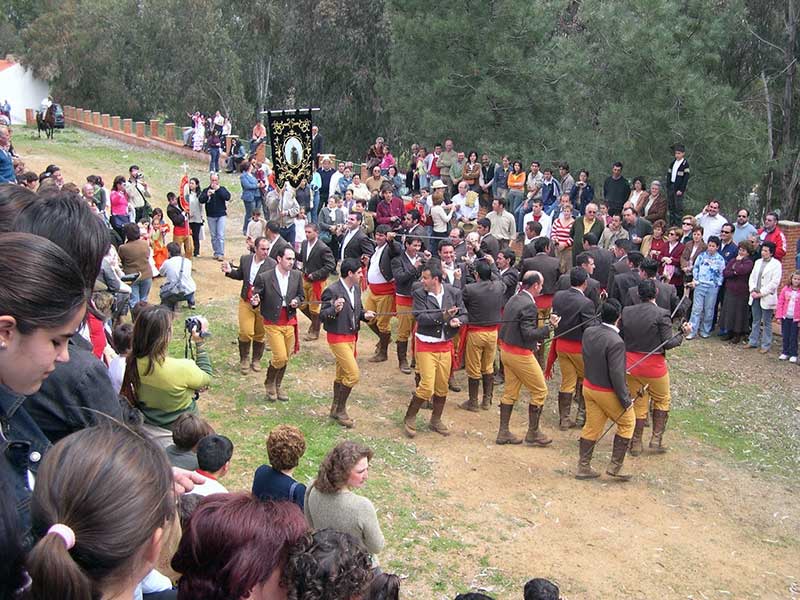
(691, 524)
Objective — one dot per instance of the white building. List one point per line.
(21, 89)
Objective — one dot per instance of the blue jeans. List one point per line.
(519, 215)
(216, 226)
(214, 163)
(140, 290)
(249, 205)
(514, 200)
(705, 299)
(789, 335)
(761, 317)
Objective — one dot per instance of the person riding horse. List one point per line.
(46, 121)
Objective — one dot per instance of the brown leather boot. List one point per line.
(278, 380)
(258, 352)
(585, 451)
(374, 327)
(244, 357)
(436, 424)
(269, 384)
(564, 407)
(382, 353)
(313, 330)
(337, 388)
(488, 391)
(402, 360)
(472, 403)
(636, 441)
(617, 458)
(504, 435)
(660, 418)
(534, 437)
(410, 420)
(452, 385)
(341, 409)
(580, 416)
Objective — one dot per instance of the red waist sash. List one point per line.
(382, 289)
(596, 388)
(653, 366)
(512, 349)
(316, 286)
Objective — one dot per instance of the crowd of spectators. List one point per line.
(130, 499)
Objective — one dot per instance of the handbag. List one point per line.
(174, 288)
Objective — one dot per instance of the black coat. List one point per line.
(242, 272)
(520, 319)
(429, 315)
(348, 320)
(271, 301)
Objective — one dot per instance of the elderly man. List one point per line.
(589, 223)
(447, 159)
(467, 204)
(7, 174)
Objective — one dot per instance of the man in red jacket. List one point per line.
(772, 233)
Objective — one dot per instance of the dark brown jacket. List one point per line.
(348, 320)
(242, 272)
(592, 290)
(520, 318)
(484, 300)
(277, 246)
(604, 361)
(645, 326)
(266, 286)
(548, 266)
(320, 263)
(576, 312)
(429, 316)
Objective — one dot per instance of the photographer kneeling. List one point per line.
(162, 387)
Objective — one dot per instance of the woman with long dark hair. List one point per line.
(102, 506)
(42, 304)
(191, 196)
(162, 387)
(119, 206)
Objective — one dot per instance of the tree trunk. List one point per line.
(791, 176)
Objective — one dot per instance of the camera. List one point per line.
(195, 324)
(139, 175)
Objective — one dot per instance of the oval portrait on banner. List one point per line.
(293, 151)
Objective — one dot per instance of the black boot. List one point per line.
(269, 383)
(472, 403)
(617, 458)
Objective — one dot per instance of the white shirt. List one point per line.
(545, 219)
(334, 184)
(283, 284)
(610, 326)
(254, 267)
(171, 270)
(350, 293)
(449, 272)
(429, 338)
(374, 274)
(310, 247)
(210, 486)
(467, 212)
(675, 168)
(347, 237)
(711, 225)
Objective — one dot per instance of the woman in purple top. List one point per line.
(735, 316)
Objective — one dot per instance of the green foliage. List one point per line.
(588, 82)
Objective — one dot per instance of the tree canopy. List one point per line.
(583, 81)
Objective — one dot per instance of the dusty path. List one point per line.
(690, 524)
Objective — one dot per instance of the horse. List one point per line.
(46, 122)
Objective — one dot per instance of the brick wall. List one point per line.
(791, 230)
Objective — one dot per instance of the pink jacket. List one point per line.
(783, 303)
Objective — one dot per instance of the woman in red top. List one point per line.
(559, 233)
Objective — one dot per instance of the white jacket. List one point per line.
(770, 281)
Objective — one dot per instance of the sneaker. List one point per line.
(705, 336)
(783, 357)
(690, 337)
(793, 359)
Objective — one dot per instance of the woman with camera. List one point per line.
(162, 387)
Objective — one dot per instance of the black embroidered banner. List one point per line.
(290, 138)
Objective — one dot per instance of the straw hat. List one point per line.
(438, 185)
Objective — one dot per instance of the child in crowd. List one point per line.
(285, 447)
(158, 235)
(384, 586)
(541, 589)
(214, 453)
(788, 313)
(121, 339)
(187, 431)
(299, 229)
(255, 228)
